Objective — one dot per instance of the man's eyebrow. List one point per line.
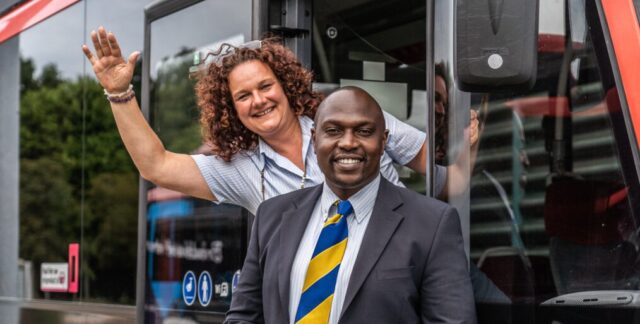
(339, 122)
(327, 120)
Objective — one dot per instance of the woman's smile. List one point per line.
(259, 99)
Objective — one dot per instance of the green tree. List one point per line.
(77, 180)
(49, 120)
(48, 212)
(175, 112)
(113, 202)
(50, 76)
(69, 144)
(27, 79)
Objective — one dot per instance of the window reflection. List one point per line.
(51, 167)
(77, 183)
(378, 46)
(184, 233)
(550, 206)
(204, 27)
(111, 180)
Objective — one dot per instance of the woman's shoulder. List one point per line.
(243, 159)
(306, 123)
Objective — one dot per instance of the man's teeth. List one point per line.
(348, 161)
(262, 113)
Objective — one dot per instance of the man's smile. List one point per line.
(348, 162)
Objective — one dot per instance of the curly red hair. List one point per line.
(219, 120)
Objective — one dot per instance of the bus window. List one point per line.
(194, 248)
(378, 46)
(553, 187)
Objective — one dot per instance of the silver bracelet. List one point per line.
(119, 94)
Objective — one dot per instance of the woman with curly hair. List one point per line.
(257, 106)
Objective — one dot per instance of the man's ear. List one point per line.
(385, 136)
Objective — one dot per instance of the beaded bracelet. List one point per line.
(121, 97)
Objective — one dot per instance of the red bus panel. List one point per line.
(625, 35)
(29, 14)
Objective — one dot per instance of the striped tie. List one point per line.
(320, 282)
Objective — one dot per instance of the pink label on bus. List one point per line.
(74, 253)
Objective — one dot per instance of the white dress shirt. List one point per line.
(362, 203)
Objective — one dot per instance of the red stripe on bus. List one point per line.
(625, 36)
(29, 14)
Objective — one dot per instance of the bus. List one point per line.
(550, 214)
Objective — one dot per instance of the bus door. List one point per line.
(190, 250)
(554, 187)
(379, 46)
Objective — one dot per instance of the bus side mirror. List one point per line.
(496, 44)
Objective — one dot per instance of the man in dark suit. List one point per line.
(356, 249)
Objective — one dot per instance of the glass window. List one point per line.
(51, 144)
(378, 46)
(77, 182)
(111, 180)
(186, 235)
(552, 193)
(452, 116)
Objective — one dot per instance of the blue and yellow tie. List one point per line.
(320, 282)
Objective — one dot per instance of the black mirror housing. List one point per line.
(496, 44)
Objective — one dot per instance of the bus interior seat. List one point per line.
(584, 220)
(523, 278)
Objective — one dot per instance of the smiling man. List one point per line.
(356, 249)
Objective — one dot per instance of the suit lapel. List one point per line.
(293, 224)
(383, 223)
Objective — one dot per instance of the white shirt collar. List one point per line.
(265, 150)
(362, 201)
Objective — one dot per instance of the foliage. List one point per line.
(112, 252)
(175, 110)
(48, 211)
(77, 183)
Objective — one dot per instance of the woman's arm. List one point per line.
(166, 169)
(457, 178)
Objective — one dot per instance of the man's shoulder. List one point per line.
(270, 213)
(415, 201)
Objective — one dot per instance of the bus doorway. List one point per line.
(553, 190)
(550, 215)
(190, 249)
(551, 210)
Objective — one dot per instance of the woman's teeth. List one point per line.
(262, 113)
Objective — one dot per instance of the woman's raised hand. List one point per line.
(112, 71)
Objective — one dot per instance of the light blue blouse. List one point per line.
(240, 181)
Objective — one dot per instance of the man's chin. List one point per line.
(348, 184)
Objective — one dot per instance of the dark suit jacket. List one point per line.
(411, 267)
